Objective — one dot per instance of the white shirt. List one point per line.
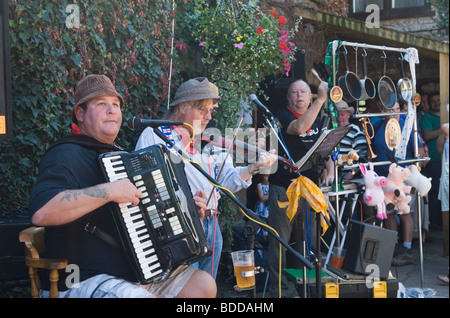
(211, 159)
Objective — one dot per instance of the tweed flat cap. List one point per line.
(93, 86)
(195, 89)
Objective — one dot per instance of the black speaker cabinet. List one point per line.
(5, 74)
(367, 245)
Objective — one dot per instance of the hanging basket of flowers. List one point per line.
(241, 46)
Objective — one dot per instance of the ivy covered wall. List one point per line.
(129, 41)
(55, 43)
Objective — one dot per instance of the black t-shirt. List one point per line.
(71, 166)
(297, 145)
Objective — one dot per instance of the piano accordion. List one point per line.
(164, 230)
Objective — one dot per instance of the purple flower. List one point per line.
(202, 43)
(239, 45)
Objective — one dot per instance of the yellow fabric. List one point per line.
(305, 188)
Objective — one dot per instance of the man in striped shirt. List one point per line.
(355, 139)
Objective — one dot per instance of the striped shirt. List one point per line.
(355, 139)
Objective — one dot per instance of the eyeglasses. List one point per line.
(204, 111)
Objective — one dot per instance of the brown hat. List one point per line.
(343, 106)
(94, 86)
(195, 89)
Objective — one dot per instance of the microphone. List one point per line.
(139, 124)
(255, 100)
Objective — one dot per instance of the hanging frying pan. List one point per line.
(386, 88)
(404, 85)
(350, 83)
(369, 89)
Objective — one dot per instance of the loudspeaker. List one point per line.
(276, 88)
(299, 66)
(298, 71)
(5, 75)
(366, 245)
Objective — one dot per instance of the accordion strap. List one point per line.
(93, 229)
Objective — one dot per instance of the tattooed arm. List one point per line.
(70, 205)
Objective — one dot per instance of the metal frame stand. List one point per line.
(335, 46)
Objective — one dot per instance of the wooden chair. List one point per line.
(33, 237)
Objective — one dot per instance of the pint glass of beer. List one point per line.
(244, 269)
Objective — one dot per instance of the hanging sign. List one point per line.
(336, 94)
(417, 99)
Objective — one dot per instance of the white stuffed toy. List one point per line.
(396, 192)
(418, 181)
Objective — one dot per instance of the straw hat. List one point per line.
(196, 89)
(343, 106)
(93, 86)
(216, 91)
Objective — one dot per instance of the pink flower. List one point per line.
(182, 48)
(202, 44)
(283, 39)
(285, 33)
(288, 69)
(239, 45)
(291, 43)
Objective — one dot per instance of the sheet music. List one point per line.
(323, 147)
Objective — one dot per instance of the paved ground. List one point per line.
(434, 263)
(416, 284)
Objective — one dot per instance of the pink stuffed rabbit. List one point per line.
(374, 194)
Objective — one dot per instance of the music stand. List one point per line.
(315, 158)
(324, 146)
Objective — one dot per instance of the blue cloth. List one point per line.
(379, 146)
(262, 208)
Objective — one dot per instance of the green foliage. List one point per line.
(241, 46)
(441, 8)
(129, 41)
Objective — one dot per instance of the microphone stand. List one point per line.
(236, 201)
(265, 115)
